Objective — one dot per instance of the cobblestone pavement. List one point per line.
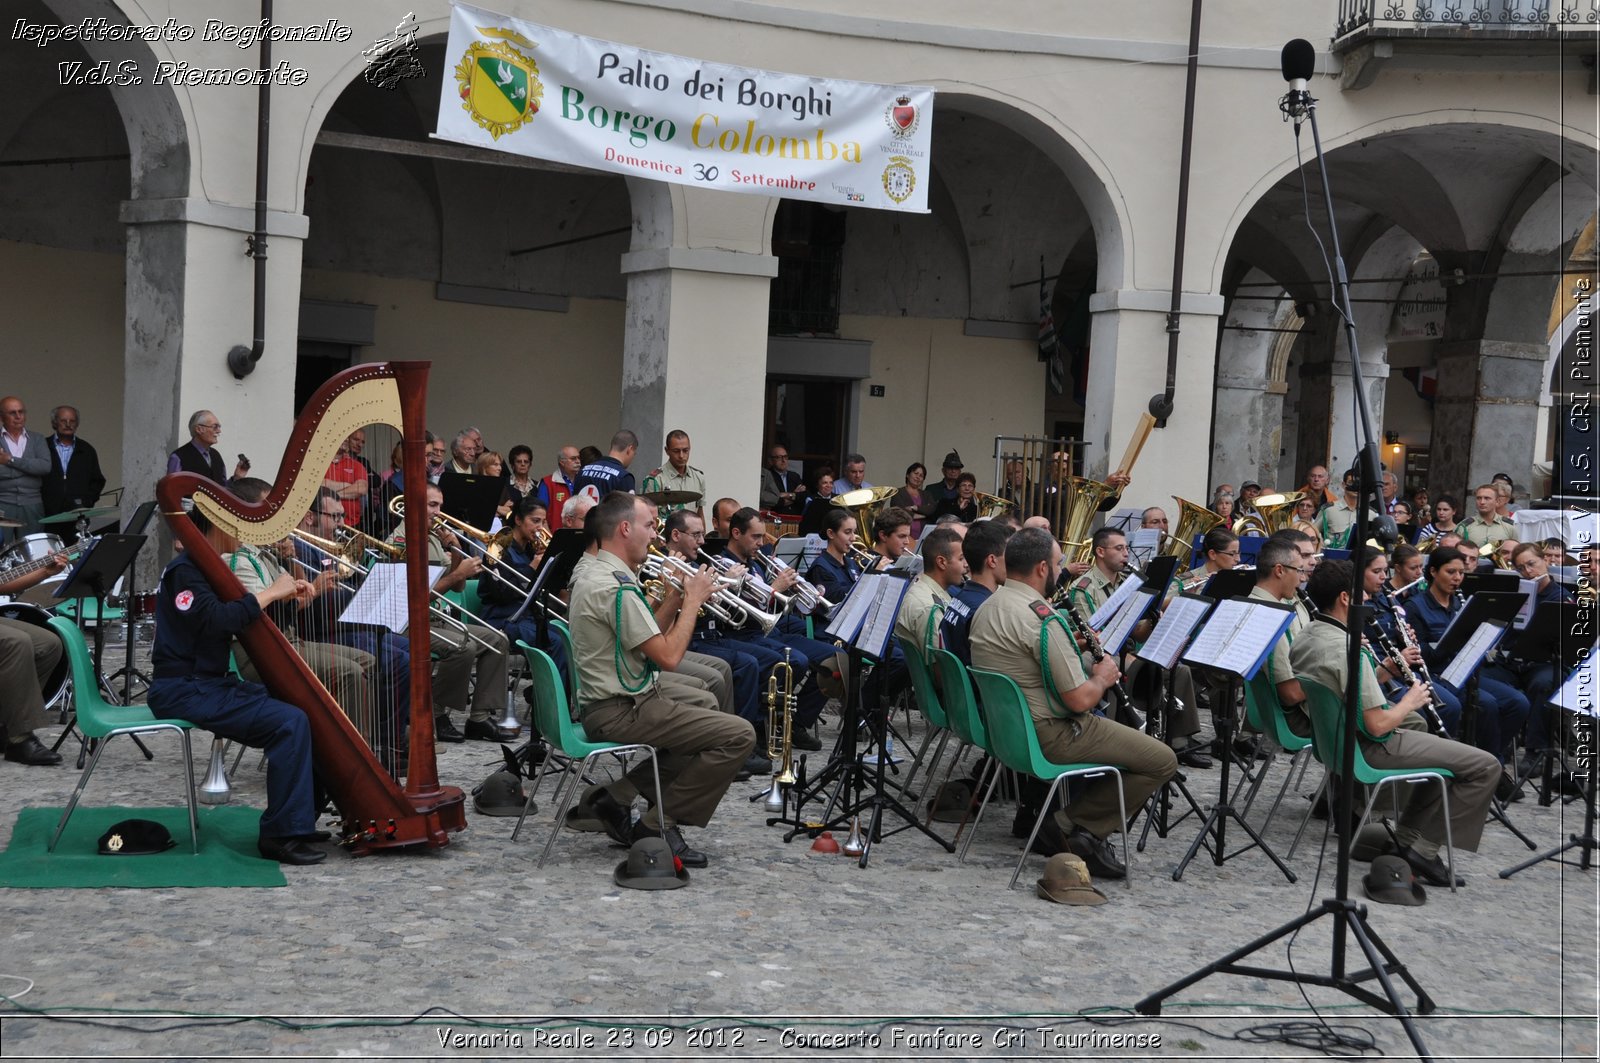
(773, 950)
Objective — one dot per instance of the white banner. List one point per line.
(519, 87)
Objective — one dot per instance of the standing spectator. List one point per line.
(782, 491)
(1504, 489)
(1405, 520)
(347, 479)
(520, 484)
(610, 473)
(1316, 486)
(1222, 504)
(373, 522)
(1391, 490)
(947, 487)
(24, 463)
(855, 475)
(815, 516)
(555, 489)
(75, 478)
(464, 450)
(199, 455)
(678, 475)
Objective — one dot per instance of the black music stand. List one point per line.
(471, 498)
(1576, 695)
(1251, 631)
(1225, 584)
(1500, 582)
(96, 572)
(1171, 634)
(1548, 640)
(130, 611)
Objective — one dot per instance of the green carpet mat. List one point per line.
(227, 854)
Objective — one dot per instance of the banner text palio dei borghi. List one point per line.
(519, 87)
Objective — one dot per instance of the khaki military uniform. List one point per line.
(1005, 636)
(1486, 532)
(456, 654)
(1089, 593)
(669, 479)
(623, 699)
(1319, 655)
(1334, 523)
(348, 674)
(920, 613)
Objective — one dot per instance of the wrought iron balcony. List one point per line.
(1483, 20)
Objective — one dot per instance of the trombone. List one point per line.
(337, 552)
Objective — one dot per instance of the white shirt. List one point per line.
(19, 446)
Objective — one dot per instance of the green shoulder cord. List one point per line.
(625, 674)
(934, 616)
(1050, 690)
(234, 565)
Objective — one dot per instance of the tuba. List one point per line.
(377, 812)
(1082, 499)
(1270, 513)
(1193, 519)
(865, 505)
(991, 506)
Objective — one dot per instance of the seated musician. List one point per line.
(618, 650)
(1008, 634)
(189, 664)
(923, 607)
(1220, 549)
(460, 650)
(320, 623)
(29, 655)
(348, 674)
(1405, 567)
(1384, 634)
(1278, 568)
(1320, 654)
(1109, 549)
(1502, 708)
(963, 503)
(835, 570)
(1538, 679)
(891, 535)
(984, 550)
(748, 533)
(504, 592)
(685, 535)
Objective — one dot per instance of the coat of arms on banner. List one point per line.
(500, 86)
(899, 179)
(902, 117)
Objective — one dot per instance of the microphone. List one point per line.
(1298, 61)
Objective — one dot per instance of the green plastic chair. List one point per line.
(564, 735)
(966, 723)
(1266, 715)
(927, 694)
(1327, 716)
(100, 722)
(1016, 744)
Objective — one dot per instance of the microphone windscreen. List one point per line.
(1299, 60)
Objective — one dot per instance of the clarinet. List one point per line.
(1408, 639)
(1086, 635)
(1305, 600)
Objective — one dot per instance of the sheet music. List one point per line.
(1102, 616)
(381, 598)
(1531, 589)
(1480, 642)
(878, 629)
(1577, 694)
(852, 611)
(1145, 543)
(1172, 634)
(1125, 621)
(1239, 636)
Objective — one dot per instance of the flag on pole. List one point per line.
(1049, 346)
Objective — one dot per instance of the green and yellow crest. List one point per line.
(499, 85)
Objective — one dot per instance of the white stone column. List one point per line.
(695, 341)
(1128, 365)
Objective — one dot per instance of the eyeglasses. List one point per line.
(218, 427)
(337, 514)
(1228, 553)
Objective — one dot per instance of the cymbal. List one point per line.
(86, 512)
(672, 498)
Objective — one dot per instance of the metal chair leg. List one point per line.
(188, 791)
(993, 772)
(561, 809)
(72, 802)
(1027, 846)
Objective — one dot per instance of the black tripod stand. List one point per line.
(1349, 918)
(1585, 843)
(1158, 809)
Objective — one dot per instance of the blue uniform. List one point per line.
(501, 601)
(1504, 708)
(834, 577)
(804, 654)
(606, 475)
(957, 623)
(194, 633)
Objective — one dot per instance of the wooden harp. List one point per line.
(377, 812)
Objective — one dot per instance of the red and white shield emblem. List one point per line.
(184, 600)
(905, 116)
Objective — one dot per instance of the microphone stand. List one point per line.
(1349, 918)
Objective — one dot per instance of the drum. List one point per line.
(56, 684)
(35, 547)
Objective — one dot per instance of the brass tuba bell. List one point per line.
(1270, 513)
(865, 504)
(1193, 519)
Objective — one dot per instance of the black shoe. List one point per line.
(754, 764)
(803, 738)
(1193, 758)
(445, 731)
(1050, 840)
(1431, 870)
(617, 819)
(480, 731)
(290, 851)
(1096, 853)
(314, 836)
(1506, 790)
(31, 751)
(680, 848)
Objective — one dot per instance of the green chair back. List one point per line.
(551, 714)
(467, 597)
(1266, 713)
(572, 660)
(97, 717)
(922, 685)
(1327, 715)
(1011, 729)
(958, 701)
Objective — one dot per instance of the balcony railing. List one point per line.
(1467, 18)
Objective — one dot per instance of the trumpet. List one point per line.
(806, 596)
(864, 558)
(751, 588)
(725, 604)
(780, 732)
